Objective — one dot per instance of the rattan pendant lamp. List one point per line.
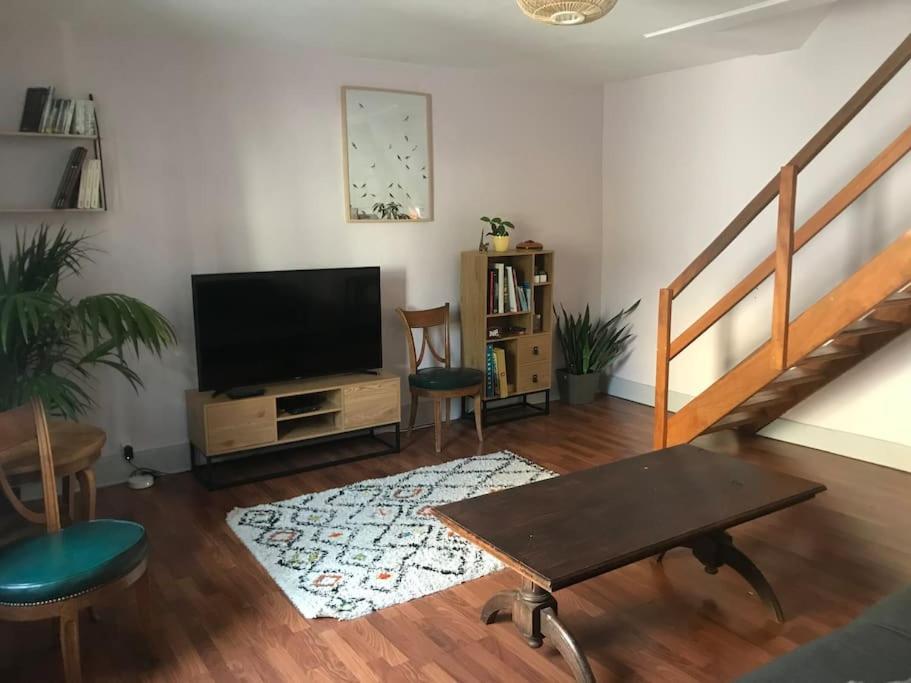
(566, 12)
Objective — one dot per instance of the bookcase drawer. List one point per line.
(532, 377)
(371, 404)
(240, 424)
(533, 349)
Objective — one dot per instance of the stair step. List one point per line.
(734, 420)
(868, 326)
(831, 352)
(766, 398)
(900, 299)
(795, 376)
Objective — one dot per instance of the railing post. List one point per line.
(665, 299)
(784, 255)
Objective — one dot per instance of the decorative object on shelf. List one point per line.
(530, 245)
(388, 155)
(589, 347)
(499, 230)
(566, 12)
(540, 277)
(50, 343)
(346, 552)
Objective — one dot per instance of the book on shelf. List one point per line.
(68, 182)
(501, 270)
(84, 118)
(491, 384)
(33, 109)
(505, 294)
(512, 303)
(502, 387)
(44, 113)
(90, 185)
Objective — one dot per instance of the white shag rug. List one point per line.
(349, 551)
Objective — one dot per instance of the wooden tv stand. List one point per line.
(348, 404)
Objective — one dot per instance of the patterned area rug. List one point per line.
(346, 552)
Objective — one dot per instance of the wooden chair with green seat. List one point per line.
(440, 383)
(67, 569)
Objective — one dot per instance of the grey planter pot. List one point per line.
(578, 389)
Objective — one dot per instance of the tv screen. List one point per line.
(254, 328)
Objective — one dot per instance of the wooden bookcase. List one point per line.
(529, 354)
(220, 427)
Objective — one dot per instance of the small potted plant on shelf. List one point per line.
(51, 343)
(499, 230)
(588, 348)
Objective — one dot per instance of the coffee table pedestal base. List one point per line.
(717, 550)
(534, 614)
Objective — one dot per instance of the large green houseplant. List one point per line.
(50, 343)
(589, 346)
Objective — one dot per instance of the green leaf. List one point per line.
(51, 344)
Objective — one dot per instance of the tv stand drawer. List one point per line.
(240, 424)
(371, 404)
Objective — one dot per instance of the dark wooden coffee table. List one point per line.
(558, 532)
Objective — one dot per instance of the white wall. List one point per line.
(685, 151)
(224, 157)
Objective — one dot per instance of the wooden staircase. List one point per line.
(860, 315)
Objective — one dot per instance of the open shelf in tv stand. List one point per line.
(221, 427)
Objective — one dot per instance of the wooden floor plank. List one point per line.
(221, 618)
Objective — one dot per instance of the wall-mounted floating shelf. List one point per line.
(96, 149)
(67, 136)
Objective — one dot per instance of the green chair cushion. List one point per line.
(441, 379)
(76, 559)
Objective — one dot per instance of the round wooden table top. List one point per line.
(75, 447)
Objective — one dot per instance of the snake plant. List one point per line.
(51, 343)
(591, 345)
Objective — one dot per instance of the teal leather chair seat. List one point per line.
(441, 379)
(72, 561)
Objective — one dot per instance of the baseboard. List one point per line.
(857, 446)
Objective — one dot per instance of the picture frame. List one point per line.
(387, 155)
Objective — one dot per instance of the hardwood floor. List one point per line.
(220, 618)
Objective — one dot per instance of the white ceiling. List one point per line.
(489, 34)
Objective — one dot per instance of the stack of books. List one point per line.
(80, 185)
(505, 294)
(496, 385)
(43, 113)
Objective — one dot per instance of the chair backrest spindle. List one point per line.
(426, 320)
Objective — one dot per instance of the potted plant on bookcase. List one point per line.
(589, 346)
(50, 343)
(499, 230)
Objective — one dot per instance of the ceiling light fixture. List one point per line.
(566, 12)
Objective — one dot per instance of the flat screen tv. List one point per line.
(255, 328)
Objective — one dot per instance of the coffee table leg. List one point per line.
(717, 550)
(499, 602)
(566, 645)
(534, 614)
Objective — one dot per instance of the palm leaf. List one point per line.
(50, 343)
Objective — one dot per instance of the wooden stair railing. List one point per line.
(779, 354)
